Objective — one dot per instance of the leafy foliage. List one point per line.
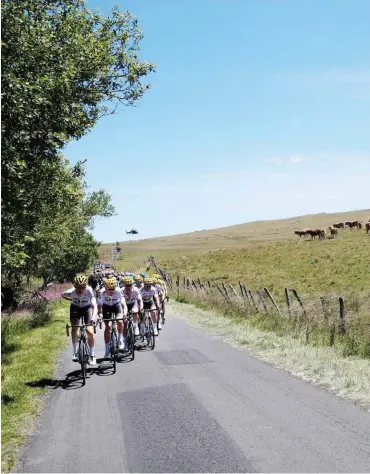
(63, 67)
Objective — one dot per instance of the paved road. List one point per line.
(195, 404)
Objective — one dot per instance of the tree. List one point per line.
(63, 67)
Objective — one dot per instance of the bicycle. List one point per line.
(83, 346)
(130, 335)
(113, 337)
(149, 329)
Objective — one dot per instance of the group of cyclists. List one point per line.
(105, 293)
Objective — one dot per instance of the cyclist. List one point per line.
(139, 282)
(83, 304)
(93, 282)
(162, 285)
(134, 302)
(111, 300)
(149, 295)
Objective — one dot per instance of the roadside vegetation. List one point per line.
(32, 340)
(64, 67)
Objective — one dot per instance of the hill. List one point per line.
(263, 253)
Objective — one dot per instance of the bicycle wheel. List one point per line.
(114, 349)
(150, 334)
(131, 340)
(82, 359)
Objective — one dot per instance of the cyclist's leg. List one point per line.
(74, 317)
(146, 305)
(107, 329)
(153, 313)
(90, 334)
(121, 327)
(135, 317)
(159, 314)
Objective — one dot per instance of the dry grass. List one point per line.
(348, 377)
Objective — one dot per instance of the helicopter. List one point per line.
(132, 231)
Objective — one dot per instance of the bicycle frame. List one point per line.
(83, 346)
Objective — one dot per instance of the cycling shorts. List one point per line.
(133, 307)
(76, 313)
(115, 309)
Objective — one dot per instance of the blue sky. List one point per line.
(259, 109)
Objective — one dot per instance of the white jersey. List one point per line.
(139, 287)
(159, 289)
(148, 295)
(86, 299)
(110, 299)
(133, 297)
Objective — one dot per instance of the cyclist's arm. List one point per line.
(66, 294)
(140, 302)
(156, 300)
(124, 306)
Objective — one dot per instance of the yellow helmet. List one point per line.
(138, 278)
(80, 280)
(148, 281)
(111, 283)
(128, 280)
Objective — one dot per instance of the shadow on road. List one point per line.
(72, 381)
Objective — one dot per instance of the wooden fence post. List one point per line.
(272, 300)
(234, 291)
(252, 299)
(209, 286)
(241, 290)
(225, 290)
(204, 288)
(262, 300)
(299, 301)
(194, 285)
(247, 297)
(342, 316)
(287, 297)
(219, 289)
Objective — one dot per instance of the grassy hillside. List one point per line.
(264, 253)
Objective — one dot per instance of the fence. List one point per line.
(325, 320)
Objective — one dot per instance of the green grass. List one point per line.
(265, 253)
(31, 347)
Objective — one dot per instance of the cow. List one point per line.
(333, 231)
(339, 225)
(367, 227)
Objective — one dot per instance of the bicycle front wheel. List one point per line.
(131, 340)
(114, 349)
(150, 334)
(82, 359)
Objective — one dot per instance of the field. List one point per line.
(268, 254)
(264, 253)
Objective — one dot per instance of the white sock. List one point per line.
(75, 347)
(125, 340)
(107, 347)
(120, 338)
(92, 351)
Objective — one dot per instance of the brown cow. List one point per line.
(339, 225)
(333, 231)
(367, 227)
(352, 224)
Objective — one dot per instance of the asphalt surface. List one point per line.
(194, 404)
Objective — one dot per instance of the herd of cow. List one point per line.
(333, 230)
